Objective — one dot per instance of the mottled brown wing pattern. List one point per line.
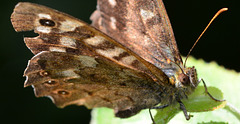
(61, 32)
(93, 82)
(144, 27)
(76, 64)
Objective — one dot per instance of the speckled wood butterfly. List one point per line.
(127, 60)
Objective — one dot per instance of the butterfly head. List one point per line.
(187, 79)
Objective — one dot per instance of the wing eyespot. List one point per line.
(47, 22)
(43, 73)
(63, 92)
(51, 82)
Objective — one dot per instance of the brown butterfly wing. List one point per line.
(144, 27)
(77, 64)
(94, 82)
(61, 32)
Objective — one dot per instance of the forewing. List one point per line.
(63, 33)
(143, 26)
(94, 82)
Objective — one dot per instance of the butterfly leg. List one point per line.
(151, 116)
(206, 91)
(157, 107)
(183, 108)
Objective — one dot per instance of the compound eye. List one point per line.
(184, 79)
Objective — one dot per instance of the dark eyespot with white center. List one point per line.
(47, 22)
(51, 82)
(63, 92)
(43, 73)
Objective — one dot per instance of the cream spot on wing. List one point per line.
(43, 29)
(113, 23)
(111, 52)
(100, 21)
(70, 73)
(57, 49)
(88, 61)
(128, 60)
(112, 2)
(69, 25)
(42, 15)
(146, 14)
(96, 40)
(69, 42)
(146, 41)
(76, 102)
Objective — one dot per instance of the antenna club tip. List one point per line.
(219, 12)
(224, 9)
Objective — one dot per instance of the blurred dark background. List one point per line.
(188, 17)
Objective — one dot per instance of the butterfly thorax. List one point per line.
(183, 84)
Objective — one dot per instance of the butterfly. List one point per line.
(127, 62)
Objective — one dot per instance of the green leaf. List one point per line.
(221, 83)
(199, 101)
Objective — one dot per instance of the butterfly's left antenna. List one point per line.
(169, 60)
(214, 17)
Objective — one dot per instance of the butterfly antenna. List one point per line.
(214, 17)
(169, 60)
